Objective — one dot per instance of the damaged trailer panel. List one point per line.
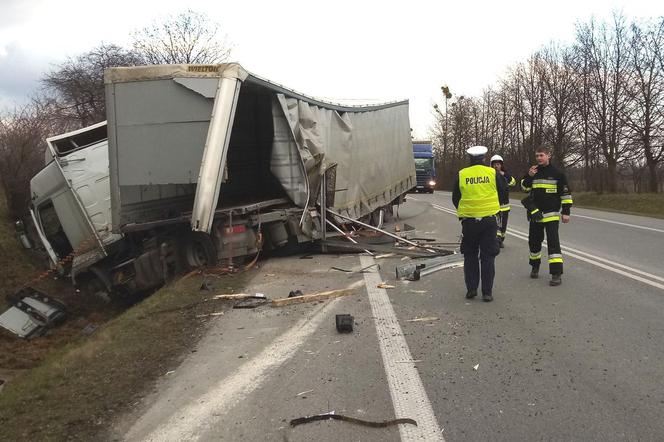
(166, 132)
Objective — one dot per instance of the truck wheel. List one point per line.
(199, 250)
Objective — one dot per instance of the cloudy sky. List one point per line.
(359, 49)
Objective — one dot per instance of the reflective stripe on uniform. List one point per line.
(566, 199)
(550, 216)
(544, 186)
(555, 257)
(504, 207)
(512, 182)
(535, 256)
(525, 189)
(540, 181)
(500, 234)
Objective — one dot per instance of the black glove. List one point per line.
(532, 212)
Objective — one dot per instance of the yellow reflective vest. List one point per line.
(479, 192)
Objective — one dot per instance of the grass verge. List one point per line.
(79, 389)
(645, 204)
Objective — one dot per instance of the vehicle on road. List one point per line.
(205, 164)
(425, 167)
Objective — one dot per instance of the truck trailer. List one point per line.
(202, 164)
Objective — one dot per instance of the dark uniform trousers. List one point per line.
(535, 238)
(479, 238)
(503, 216)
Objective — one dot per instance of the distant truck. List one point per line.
(425, 168)
(202, 164)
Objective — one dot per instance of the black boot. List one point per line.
(555, 279)
(534, 272)
(487, 297)
(471, 294)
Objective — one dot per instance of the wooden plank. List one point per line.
(311, 298)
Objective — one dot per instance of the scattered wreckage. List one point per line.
(207, 166)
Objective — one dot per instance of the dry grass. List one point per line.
(99, 377)
(646, 204)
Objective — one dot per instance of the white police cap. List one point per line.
(477, 151)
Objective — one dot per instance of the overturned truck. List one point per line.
(198, 164)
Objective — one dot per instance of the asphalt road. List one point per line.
(582, 361)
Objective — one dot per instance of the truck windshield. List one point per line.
(423, 163)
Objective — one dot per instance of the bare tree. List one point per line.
(606, 50)
(189, 37)
(77, 85)
(644, 117)
(560, 81)
(22, 144)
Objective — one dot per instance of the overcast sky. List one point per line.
(359, 49)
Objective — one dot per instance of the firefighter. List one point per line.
(549, 202)
(478, 190)
(498, 164)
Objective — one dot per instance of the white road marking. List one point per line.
(409, 398)
(589, 258)
(193, 420)
(599, 264)
(576, 215)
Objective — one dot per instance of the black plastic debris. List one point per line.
(353, 420)
(294, 293)
(344, 323)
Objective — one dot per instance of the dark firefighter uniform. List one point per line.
(503, 216)
(476, 197)
(550, 196)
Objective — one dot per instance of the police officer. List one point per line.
(549, 202)
(476, 195)
(498, 164)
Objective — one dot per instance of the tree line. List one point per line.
(72, 93)
(598, 103)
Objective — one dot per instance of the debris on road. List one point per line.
(293, 293)
(362, 270)
(251, 302)
(304, 392)
(476, 367)
(354, 420)
(425, 319)
(312, 297)
(344, 323)
(419, 292)
(383, 285)
(385, 255)
(414, 270)
(237, 296)
(210, 314)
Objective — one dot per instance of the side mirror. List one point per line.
(19, 226)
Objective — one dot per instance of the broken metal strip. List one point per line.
(345, 235)
(385, 232)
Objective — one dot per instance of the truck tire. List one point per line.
(199, 250)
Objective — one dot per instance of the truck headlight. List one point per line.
(432, 183)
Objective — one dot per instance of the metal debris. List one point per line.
(425, 319)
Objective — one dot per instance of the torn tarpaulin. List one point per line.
(354, 420)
